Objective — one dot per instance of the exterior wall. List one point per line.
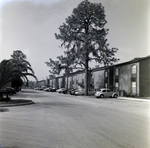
(145, 78)
(125, 79)
(108, 78)
(41, 83)
(51, 82)
(80, 80)
(75, 81)
(126, 82)
(138, 79)
(92, 81)
(61, 82)
(98, 79)
(70, 82)
(55, 83)
(47, 82)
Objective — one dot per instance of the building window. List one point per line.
(133, 87)
(133, 69)
(116, 84)
(117, 72)
(83, 76)
(106, 85)
(106, 74)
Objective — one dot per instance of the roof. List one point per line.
(135, 60)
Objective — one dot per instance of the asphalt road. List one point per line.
(65, 121)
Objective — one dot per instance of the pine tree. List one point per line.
(84, 34)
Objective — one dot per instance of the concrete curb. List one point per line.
(121, 98)
(137, 99)
(7, 104)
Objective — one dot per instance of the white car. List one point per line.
(105, 92)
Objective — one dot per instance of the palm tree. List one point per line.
(10, 70)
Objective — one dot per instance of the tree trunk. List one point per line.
(86, 75)
(67, 81)
(86, 57)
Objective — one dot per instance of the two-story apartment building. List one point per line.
(131, 78)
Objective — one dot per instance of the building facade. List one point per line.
(130, 78)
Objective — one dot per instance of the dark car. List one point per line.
(52, 89)
(61, 90)
(65, 91)
(8, 90)
(47, 89)
(72, 92)
(81, 91)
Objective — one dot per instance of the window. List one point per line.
(134, 87)
(83, 76)
(116, 72)
(106, 74)
(104, 91)
(133, 69)
(116, 84)
(76, 81)
(105, 85)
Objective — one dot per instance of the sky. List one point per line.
(29, 26)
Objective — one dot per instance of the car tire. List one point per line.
(115, 96)
(101, 96)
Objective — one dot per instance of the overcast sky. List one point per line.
(29, 26)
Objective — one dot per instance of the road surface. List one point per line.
(65, 121)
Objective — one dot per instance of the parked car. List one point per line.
(36, 88)
(105, 92)
(52, 89)
(47, 89)
(82, 92)
(61, 90)
(72, 92)
(42, 87)
(9, 90)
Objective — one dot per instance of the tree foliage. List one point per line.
(54, 66)
(15, 69)
(63, 62)
(84, 35)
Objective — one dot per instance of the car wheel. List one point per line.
(101, 96)
(115, 96)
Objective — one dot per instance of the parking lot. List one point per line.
(65, 121)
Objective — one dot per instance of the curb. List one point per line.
(137, 99)
(30, 102)
(122, 98)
